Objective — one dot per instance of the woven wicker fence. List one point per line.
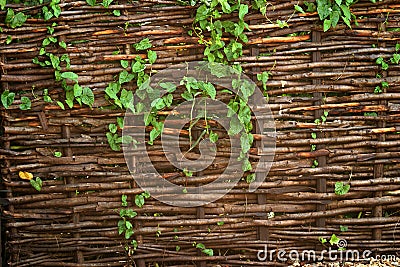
(73, 220)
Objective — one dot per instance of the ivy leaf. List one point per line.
(112, 141)
(112, 127)
(327, 24)
(324, 9)
(210, 89)
(77, 90)
(129, 232)
(121, 226)
(125, 77)
(152, 56)
(341, 188)
(170, 87)
(208, 252)
(47, 14)
(235, 126)
(127, 99)
(117, 12)
(7, 98)
(15, 20)
(139, 200)
(138, 67)
(338, 2)
(243, 10)
(346, 11)
(37, 183)
(56, 10)
(87, 96)
(299, 9)
(124, 63)
(3, 4)
(25, 103)
(213, 137)
(70, 75)
(106, 3)
(143, 44)
(112, 90)
(347, 21)
(91, 2)
(334, 240)
(187, 95)
(334, 18)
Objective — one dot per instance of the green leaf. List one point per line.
(70, 75)
(327, 24)
(208, 252)
(335, 15)
(61, 105)
(397, 47)
(235, 126)
(343, 228)
(143, 44)
(220, 223)
(91, 2)
(243, 10)
(213, 137)
(338, 2)
(152, 56)
(250, 178)
(246, 165)
(124, 200)
(324, 9)
(139, 200)
(57, 154)
(200, 246)
(56, 10)
(310, 6)
(112, 127)
(47, 14)
(121, 226)
(210, 89)
(15, 20)
(87, 96)
(138, 67)
(322, 240)
(125, 77)
(37, 184)
(124, 63)
(77, 90)
(128, 233)
(106, 3)
(7, 98)
(341, 188)
(334, 240)
(347, 21)
(130, 213)
(170, 87)
(146, 194)
(385, 66)
(117, 12)
(187, 95)
(127, 99)
(299, 9)
(3, 4)
(62, 44)
(120, 122)
(346, 11)
(313, 135)
(25, 103)
(112, 90)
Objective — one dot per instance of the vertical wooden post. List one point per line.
(379, 167)
(321, 182)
